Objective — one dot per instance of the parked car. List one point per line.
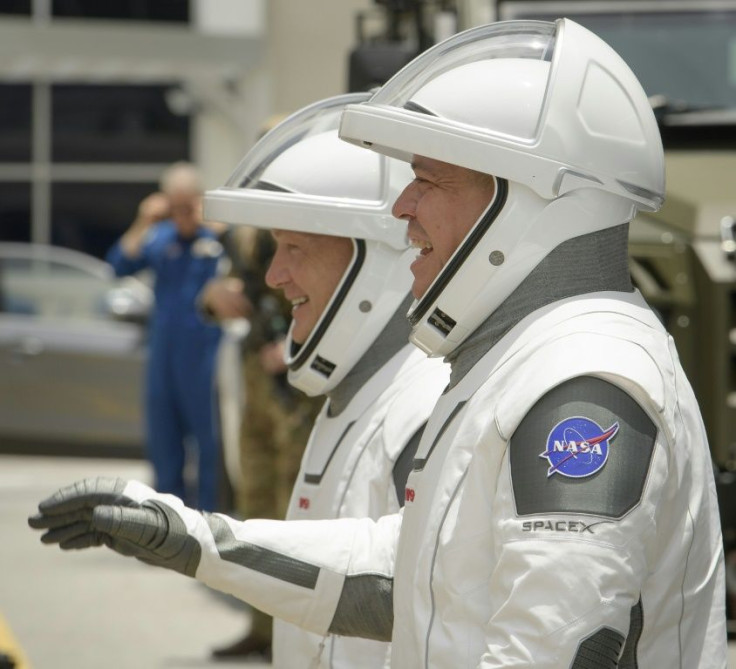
(72, 350)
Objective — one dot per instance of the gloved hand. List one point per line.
(128, 517)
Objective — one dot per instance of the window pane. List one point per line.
(50, 287)
(15, 7)
(688, 57)
(15, 123)
(116, 124)
(90, 217)
(138, 10)
(15, 212)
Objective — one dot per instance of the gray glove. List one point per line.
(129, 518)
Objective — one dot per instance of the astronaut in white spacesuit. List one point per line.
(561, 509)
(344, 264)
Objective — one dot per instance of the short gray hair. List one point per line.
(181, 176)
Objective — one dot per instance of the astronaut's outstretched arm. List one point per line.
(333, 575)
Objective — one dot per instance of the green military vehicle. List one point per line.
(683, 258)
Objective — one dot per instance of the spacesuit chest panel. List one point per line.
(337, 444)
(332, 454)
(440, 466)
(442, 456)
(331, 434)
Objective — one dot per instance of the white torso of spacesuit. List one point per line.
(347, 472)
(496, 567)
(502, 557)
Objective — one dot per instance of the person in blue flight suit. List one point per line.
(169, 238)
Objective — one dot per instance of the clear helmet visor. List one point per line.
(311, 121)
(444, 81)
(301, 176)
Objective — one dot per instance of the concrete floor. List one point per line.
(94, 608)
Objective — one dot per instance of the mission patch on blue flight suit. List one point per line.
(584, 447)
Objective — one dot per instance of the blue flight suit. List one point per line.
(180, 396)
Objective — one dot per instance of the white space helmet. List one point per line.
(300, 176)
(555, 115)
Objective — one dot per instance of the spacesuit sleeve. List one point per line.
(325, 575)
(576, 512)
(124, 266)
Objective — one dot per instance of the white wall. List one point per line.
(305, 58)
(227, 119)
(308, 44)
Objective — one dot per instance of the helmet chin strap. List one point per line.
(464, 250)
(300, 353)
(597, 261)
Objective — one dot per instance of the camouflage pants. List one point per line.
(273, 436)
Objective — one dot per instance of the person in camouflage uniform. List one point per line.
(276, 418)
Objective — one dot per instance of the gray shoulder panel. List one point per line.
(584, 447)
(366, 608)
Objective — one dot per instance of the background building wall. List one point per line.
(308, 44)
(306, 50)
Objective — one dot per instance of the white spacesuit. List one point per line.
(355, 466)
(561, 510)
(558, 521)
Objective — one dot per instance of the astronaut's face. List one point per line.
(441, 205)
(307, 268)
(186, 211)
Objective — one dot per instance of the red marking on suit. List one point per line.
(409, 494)
(304, 502)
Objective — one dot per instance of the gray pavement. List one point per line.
(93, 608)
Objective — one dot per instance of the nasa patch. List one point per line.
(205, 247)
(577, 447)
(584, 447)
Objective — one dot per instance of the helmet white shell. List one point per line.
(555, 115)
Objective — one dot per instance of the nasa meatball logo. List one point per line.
(578, 447)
